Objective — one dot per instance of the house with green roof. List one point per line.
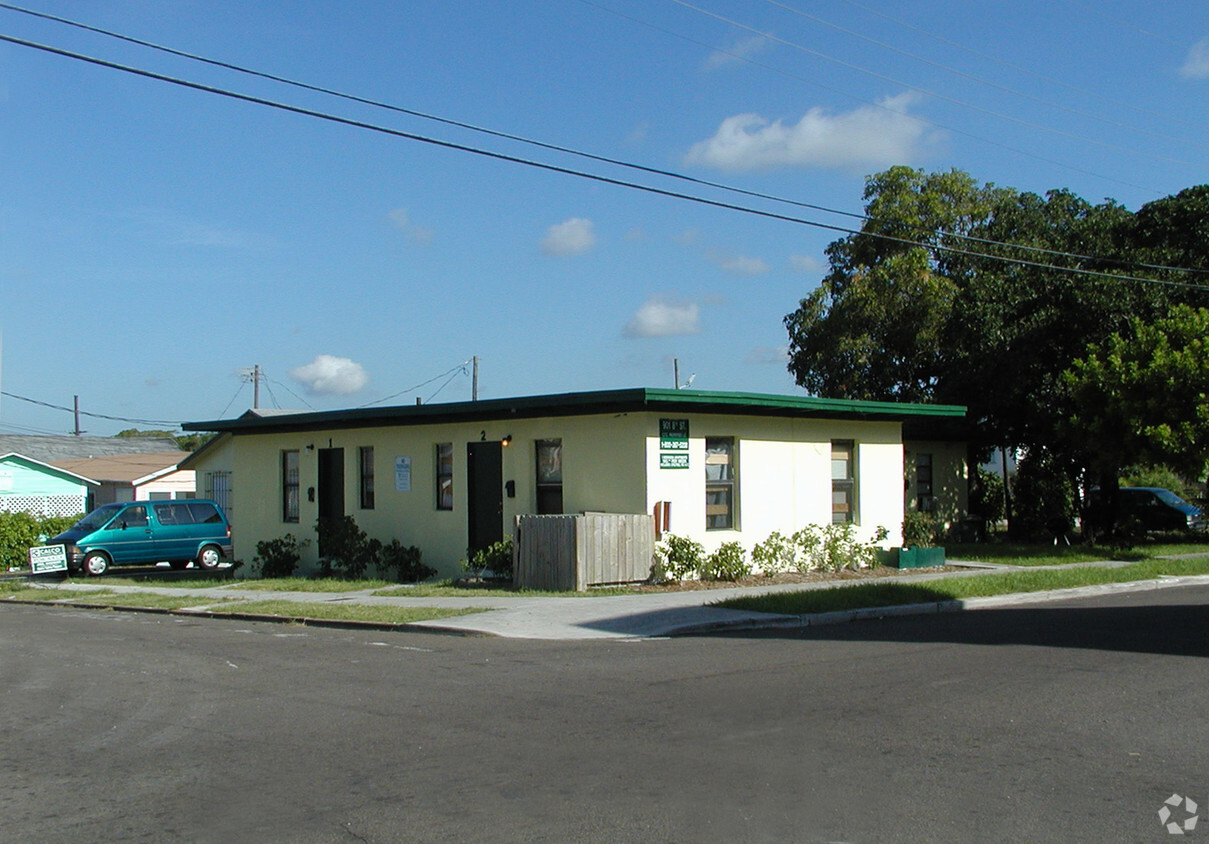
(714, 466)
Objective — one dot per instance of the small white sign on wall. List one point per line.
(403, 474)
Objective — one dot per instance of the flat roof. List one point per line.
(587, 403)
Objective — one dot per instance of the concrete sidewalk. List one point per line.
(641, 615)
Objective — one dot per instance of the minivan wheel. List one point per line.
(96, 563)
(209, 557)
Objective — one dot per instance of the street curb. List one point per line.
(306, 621)
(794, 622)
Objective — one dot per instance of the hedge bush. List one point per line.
(18, 531)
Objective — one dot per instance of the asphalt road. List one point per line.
(1070, 722)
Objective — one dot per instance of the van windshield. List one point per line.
(1170, 498)
(98, 518)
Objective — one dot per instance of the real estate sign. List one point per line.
(673, 443)
(47, 558)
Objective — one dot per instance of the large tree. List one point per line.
(972, 294)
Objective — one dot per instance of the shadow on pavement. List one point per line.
(1172, 628)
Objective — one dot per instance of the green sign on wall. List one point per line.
(673, 443)
(673, 435)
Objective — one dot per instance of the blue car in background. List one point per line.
(1152, 508)
(147, 532)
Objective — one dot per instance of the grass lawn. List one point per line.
(884, 594)
(307, 584)
(1045, 554)
(147, 600)
(345, 612)
(450, 589)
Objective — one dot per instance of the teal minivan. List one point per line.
(148, 532)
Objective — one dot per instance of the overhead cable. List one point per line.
(553, 168)
(558, 148)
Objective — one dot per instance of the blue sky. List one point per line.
(156, 241)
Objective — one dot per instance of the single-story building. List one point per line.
(31, 486)
(133, 477)
(716, 466)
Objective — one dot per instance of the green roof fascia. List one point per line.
(581, 404)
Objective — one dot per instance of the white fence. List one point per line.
(563, 553)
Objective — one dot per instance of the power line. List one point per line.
(91, 415)
(553, 168)
(564, 149)
(452, 372)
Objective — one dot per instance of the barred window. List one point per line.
(444, 476)
(289, 486)
(367, 477)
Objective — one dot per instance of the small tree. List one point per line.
(728, 562)
(405, 562)
(683, 556)
(347, 550)
(279, 557)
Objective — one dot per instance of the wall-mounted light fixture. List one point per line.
(506, 441)
(310, 447)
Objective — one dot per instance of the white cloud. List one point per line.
(742, 265)
(1196, 63)
(572, 237)
(766, 355)
(879, 135)
(740, 51)
(401, 220)
(659, 317)
(805, 264)
(330, 375)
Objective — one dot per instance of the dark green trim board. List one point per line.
(583, 404)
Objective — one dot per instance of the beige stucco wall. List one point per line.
(602, 470)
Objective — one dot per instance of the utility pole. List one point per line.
(474, 379)
(256, 387)
(76, 404)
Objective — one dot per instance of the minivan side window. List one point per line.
(186, 513)
(203, 514)
(131, 517)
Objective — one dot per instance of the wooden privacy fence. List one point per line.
(564, 553)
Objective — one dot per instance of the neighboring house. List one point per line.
(452, 477)
(51, 449)
(132, 477)
(31, 486)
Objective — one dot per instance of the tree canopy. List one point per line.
(985, 296)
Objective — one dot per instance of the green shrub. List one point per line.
(831, 548)
(347, 551)
(18, 531)
(919, 530)
(405, 562)
(729, 562)
(775, 554)
(496, 558)
(279, 557)
(683, 556)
